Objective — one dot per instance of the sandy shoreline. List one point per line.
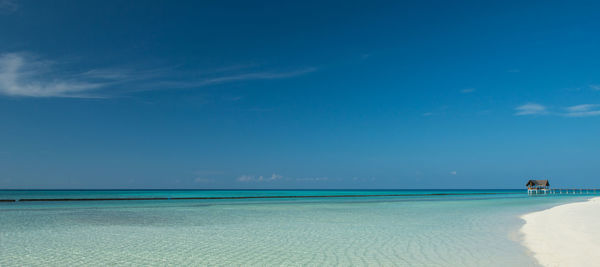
(565, 235)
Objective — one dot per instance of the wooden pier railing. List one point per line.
(565, 191)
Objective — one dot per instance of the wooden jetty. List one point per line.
(572, 191)
(542, 187)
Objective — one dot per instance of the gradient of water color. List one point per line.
(440, 230)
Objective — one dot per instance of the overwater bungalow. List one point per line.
(536, 187)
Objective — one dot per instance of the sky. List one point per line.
(298, 95)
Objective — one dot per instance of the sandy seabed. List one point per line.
(565, 235)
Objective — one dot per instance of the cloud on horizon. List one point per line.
(23, 75)
(277, 177)
(258, 179)
(313, 179)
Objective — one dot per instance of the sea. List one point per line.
(267, 227)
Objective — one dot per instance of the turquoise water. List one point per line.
(466, 228)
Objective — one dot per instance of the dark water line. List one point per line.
(244, 197)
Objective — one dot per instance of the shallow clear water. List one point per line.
(435, 230)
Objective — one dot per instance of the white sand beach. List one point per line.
(565, 235)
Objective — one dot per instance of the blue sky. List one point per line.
(312, 94)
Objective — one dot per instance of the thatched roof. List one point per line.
(538, 183)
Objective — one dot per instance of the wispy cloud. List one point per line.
(8, 6)
(513, 70)
(312, 179)
(23, 75)
(583, 110)
(453, 173)
(277, 177)
(595, 87)
(258, 179)
(438, 111)
(266, 75)
(246, 178)
(20, 75)
(206, 176)
(467, 90)
(531, 109)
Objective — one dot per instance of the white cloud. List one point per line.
(595, 87)
(249, 76)
(312, 179)
(277, 177)
(23, 75)
(583, 110)
(453, 172)
(252, 178)
(467, 90)
(20, 75)
(582, 107)
(436, 112)
(245, 178)
(8, 6)
(531, 109)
